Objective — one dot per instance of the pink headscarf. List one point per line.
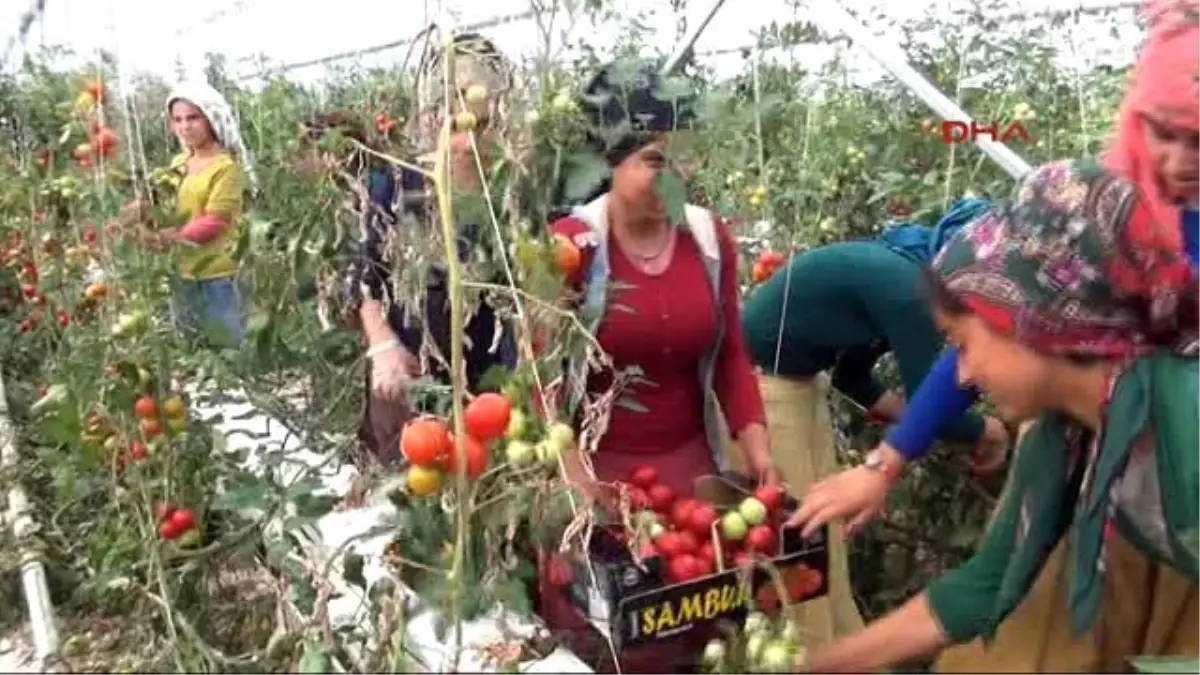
(1165, 85)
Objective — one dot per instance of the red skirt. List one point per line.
(679, 469)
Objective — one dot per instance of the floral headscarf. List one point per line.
(220, 117)
(1166, 85)
(1076, 265)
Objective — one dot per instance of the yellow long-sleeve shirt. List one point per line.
(216, 189)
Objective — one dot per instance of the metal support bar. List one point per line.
(681, 52)
(890, 56)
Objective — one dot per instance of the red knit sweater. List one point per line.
(663, 324)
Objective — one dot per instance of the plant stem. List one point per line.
(442, 185)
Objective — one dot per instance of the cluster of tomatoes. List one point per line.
(682, 530)
(429, 445)
(102, 140)
(18, 258)
(766, 265)
(764, 645)
(178, 524)
(150, 418)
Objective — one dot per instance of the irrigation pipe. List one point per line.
(33, 572)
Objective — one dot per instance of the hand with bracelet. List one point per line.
(392, 366)
(857, 493)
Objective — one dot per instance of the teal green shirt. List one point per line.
(847, 304)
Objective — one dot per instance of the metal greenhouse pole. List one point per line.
(893, 58)
(689, 41)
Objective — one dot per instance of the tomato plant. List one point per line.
(146, 511)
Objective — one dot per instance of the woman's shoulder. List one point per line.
(577, 230)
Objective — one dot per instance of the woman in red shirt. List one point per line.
(677, 321)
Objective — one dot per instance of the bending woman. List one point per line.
(210, 201)
(838, 308)
(678, 281)
(1076, 309)
(1156, 148)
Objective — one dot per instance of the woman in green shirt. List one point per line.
(1072, 307)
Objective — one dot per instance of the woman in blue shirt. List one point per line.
(1156, 147)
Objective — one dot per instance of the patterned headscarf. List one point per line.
(627, 103)
(477, 61)
(1076, 265)
(220, 117)
(1165, 85)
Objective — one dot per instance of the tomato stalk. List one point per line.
(442, 187)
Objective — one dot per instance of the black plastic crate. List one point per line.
(634, 605)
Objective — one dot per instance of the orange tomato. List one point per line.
(477, 456)
(425, 441)
(145, 407)
(486, 418)
(761, 272)
(567, 256)
(151, 427)
(95, 87)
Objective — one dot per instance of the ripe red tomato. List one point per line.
(567, 256)
(137, 450)
(661, 497)
(669, 544)
(169, 530)
(771, 496)
(29, 290)
(707, 553)
(702, 519)
(183, 520)
(644, 476)
(681, 512)
(761, 539)
(145, 407)
(684, 567)
(638, 499)
(743, 559)
(688, 543)
(486, 417)
(105, 141)
(425, 441)
(477, 456)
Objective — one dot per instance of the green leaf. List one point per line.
(246, 497)
(585, 171)
(674, 194)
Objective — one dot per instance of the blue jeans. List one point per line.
(211, 307)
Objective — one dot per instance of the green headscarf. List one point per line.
(1076, 266)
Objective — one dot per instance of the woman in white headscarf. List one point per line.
(210, 202)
